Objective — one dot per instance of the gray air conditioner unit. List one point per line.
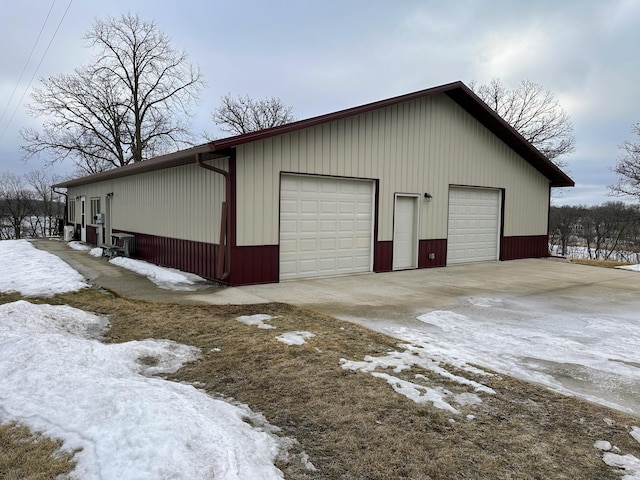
(68, 233)
(98, 219)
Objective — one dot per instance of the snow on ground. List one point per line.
(295, 338)
(168, 278)
(629, 464)
(258, 320)
(633, 268)
(419, 391)
(33, 272)
(585, 350)
(78, 246)
(57, 378)
(577, 251)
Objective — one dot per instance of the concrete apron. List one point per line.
(560, 302)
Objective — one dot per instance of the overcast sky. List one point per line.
(322, 56)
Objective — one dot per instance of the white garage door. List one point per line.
(474, 222)
(326, 226)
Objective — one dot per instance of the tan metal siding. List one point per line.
(181, 202)
(415, 147)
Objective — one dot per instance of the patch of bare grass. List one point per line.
(28, 456)
(9, 297)
(353, 425)
(598, 263)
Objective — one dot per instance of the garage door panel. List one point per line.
(337, 214)
(308, 226)
(308, 245)
(309, 207)
(288, 226)
(474, 221)
(328, 207)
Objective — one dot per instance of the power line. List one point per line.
(37, 67)
(27, 62)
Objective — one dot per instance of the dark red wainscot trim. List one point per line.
(92, 235)
(533, 246)
(185, 255)
(252, 265)
(434, 247)
(383, 258)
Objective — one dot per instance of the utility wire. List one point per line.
(37, 67)
(27, 62)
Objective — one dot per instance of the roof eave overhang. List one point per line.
(175, 159)
(456, 91)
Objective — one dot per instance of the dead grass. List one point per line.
(28, 456)
(352, 425)
(598, 263)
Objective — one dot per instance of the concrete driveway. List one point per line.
(395, 294)
(573, 328)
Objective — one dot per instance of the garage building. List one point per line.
(428, 179)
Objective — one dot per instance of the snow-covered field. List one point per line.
(577, 251)
(57, 377)
(34, 272)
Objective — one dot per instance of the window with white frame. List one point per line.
(72, 211)
(94, 209)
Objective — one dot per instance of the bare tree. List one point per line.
(129, 104)
(16, 204)
(243, 114)
(48, 204)
(564, 226)
(535, 113)
(628, 168)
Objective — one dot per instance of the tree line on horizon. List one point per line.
(29, 207)
(609, 231)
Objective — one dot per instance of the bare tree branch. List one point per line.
(130, 104)
(628, 168)
(243, 114)
(535, 113)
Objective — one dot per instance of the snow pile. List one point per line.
(257, 320)
(33, 272)
(419, 392)
(167, 278)
(633, 268)
(628, 463)
(78, 246)
(295, 338)
(57, 379)
(96, 252)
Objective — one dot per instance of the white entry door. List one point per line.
(405, 232)
(474, 225)
(83, 219)
(326, 226)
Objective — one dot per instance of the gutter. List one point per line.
(223, 264)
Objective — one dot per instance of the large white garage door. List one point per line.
(474, 222)
(326, 226)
